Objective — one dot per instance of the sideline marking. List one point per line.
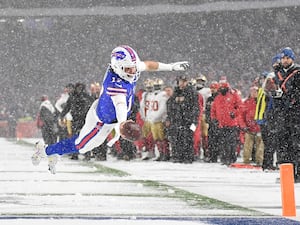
(211, 220)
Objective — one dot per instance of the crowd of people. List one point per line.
(52, 50)
(195, 120)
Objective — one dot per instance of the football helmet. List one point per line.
(124, 61)
(192, 82)
(158, 83)
(200, 82)
(148, 83)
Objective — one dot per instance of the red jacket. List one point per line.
(226, 109)
(248, 114)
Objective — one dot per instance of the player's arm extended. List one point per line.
(158, 66)
(119, 102)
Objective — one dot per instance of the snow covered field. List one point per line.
(136, 192)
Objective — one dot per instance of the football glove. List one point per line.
(180, 66)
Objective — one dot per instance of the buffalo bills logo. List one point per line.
(118, 55)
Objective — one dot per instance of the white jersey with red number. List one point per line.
(157, 106)
(144, 105)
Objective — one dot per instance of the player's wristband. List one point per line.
(164, 67)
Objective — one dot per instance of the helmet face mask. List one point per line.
(124, 63)
(200, 82)
(157, 84)
(200, 85)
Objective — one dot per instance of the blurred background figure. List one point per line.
(225, 113)
(146, 129)
(265, 119)
(65, 125)
(182, 118)
(156, 115)
(287, 97)
(213, 150)
(78, 105)
(205, 93)
(95, 90)
(169, 90)
(253, 139)
(46, 121)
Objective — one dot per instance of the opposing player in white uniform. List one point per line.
(157, 113)
(146, 129)
(112, 108)
(201, 82)
(144, 104)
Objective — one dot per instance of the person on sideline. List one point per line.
(65, 127)
(252, 129)
(182, 120)
(225, 114)
(46, 120)
(112, 108)
(286, 99)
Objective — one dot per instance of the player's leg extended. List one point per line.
(88, 141)
(93, 133)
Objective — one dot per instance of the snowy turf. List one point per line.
(144, 193)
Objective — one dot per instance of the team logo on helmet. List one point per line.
(120, 55)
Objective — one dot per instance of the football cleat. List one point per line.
(39, 154)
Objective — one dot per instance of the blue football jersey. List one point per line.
(114, 85)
